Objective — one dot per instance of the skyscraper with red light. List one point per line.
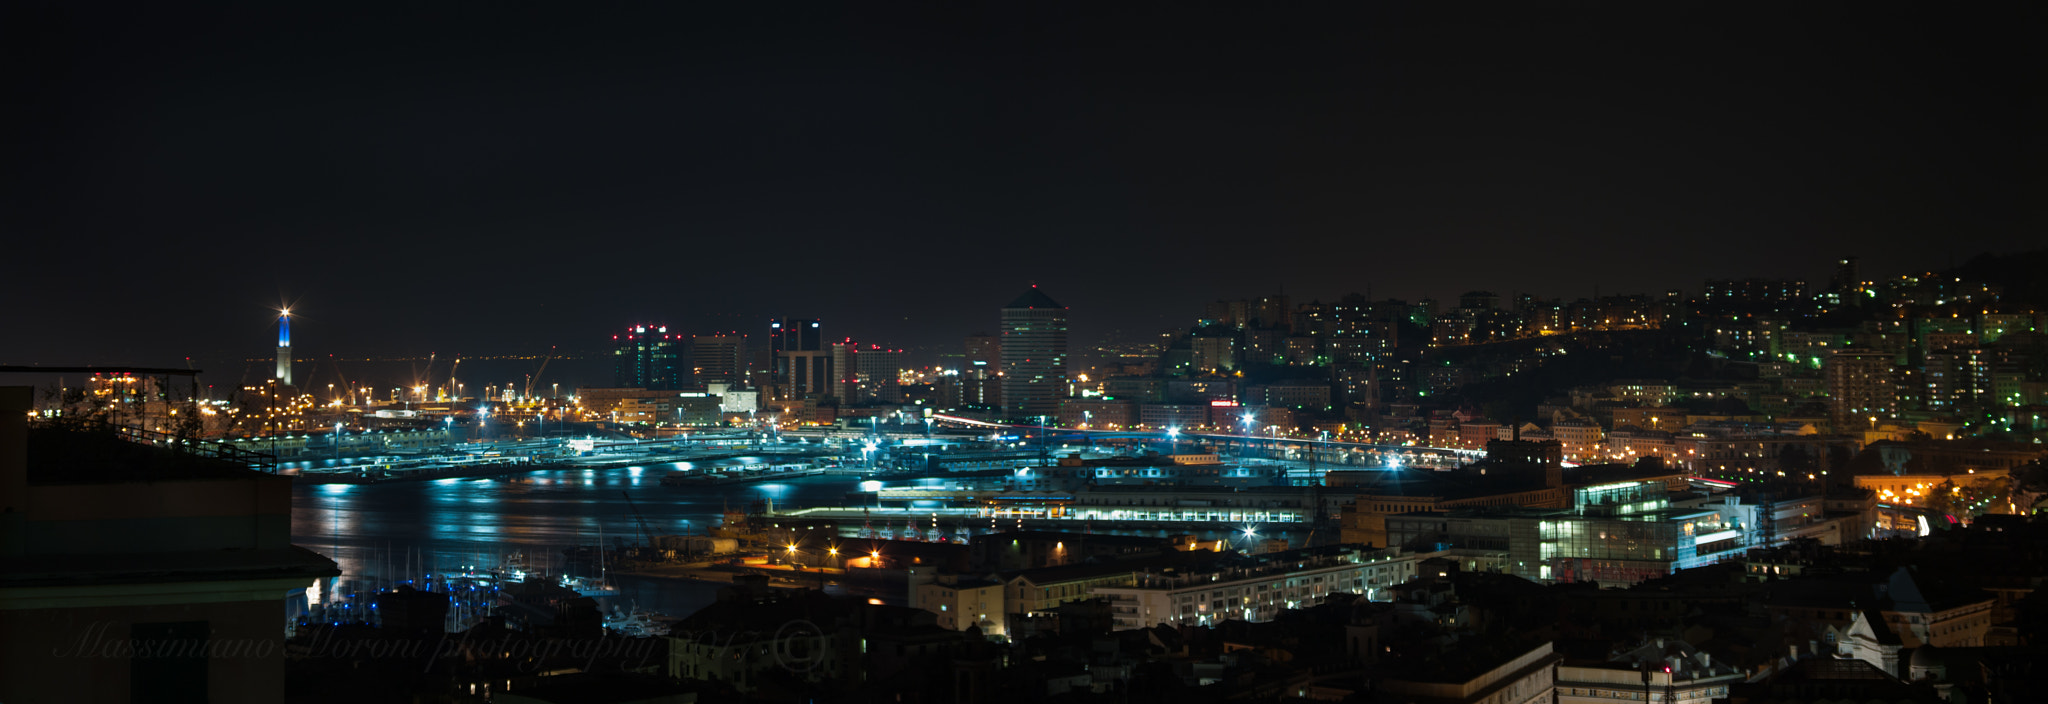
(644, 356)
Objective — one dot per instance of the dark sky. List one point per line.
(502, 180)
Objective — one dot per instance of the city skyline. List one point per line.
(1103, 352)
(943, 343)
(450, 191)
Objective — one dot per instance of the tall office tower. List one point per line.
(846, 381)
(284, 347)
(802, 364)
(1034, 356)
(644, 357)
(719, 358)
(981, 374)
(795, 335)
(1847, 278)
(1860, 387)
(878, 372)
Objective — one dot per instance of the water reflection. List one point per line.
(447, 524)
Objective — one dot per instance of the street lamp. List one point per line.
(1245, 422)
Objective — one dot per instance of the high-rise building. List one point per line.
(1272, 313)
(879, 369)
(846, 381)
(284, 347)
(802, 364)
(1860, 388)
(984, 350)
(795, 335)
(719, 358)
(1847, 278)
(1215, 352)
(1479, 300)
(1034, 348)
(1755, 297)
(1845, 286)
(866, 374)
(1959, 379)
(644, 357)
(981, 372)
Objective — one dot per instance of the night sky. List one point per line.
(499, 181)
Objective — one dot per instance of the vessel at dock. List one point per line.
(745, 474)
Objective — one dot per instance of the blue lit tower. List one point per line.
(1034, 353)
(284, 347)
(645, 357)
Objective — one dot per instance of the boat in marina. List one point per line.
(514, 568)
(636, 622)
(593, 587)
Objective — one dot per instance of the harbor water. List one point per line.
(439, 526)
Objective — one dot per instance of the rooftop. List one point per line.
(1231, 567)
(83, 455)
(1065, 573)
(1077, 538)
(158, 567)
(1033, 298)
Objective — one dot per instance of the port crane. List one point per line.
(534, 378)
(642, 520)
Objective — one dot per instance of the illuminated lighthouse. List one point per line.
(284, 347)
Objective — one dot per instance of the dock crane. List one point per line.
(642, 520)
(534, 378)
